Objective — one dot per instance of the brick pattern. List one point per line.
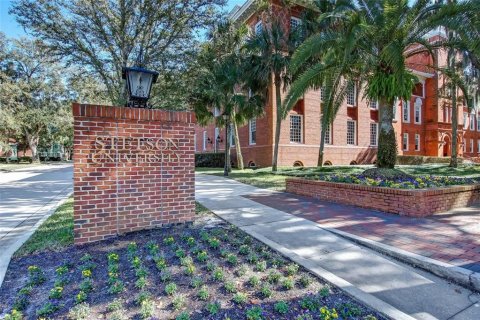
(115, 197)
(415, 203)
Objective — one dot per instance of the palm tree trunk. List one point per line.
(227, 149)
(387, 143)
(237, 146)
(279, 122)
(451, 65)
(322, 142)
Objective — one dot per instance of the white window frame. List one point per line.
(417, 142)
(258, 27)
(354, 132)
(322, 93)
(217, 134)
(405, 141)
(252, 123)
(406, 111)
(328, 135)
(301, 128)
(354, 94)
(204, 140)
(297, 20)
(372, 125)
(417, 107)
(472, 122)
(232, 136)
(478, 122)
(423, 90)
(374, 105)
(471, 146)
(465, 122)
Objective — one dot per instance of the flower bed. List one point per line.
(409, 201)
(177, 273)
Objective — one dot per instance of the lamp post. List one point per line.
(139, 85)
(226, 119)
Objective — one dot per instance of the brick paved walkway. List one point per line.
(453, 237)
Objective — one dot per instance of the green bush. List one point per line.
(210, 160)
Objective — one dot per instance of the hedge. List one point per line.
(210, 160)
(416, 160)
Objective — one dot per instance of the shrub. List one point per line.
(191, 241)
(186, 261)
(252, 258)
(291, 269)
(160, 263)
(165, 275)
(240, 298)
(214, 243)
(47, 309)
(349, 310)
(310, 303)
(142, 297)
(281, 307)
(254, 281)
(288, 283)
(266, 291)
(132, 249)
(115, 305)
(273, 277)
(209, 160)
(196, 282)
(213, 308)
(169, 241)
(178, 302)
(230, 287)
(261, 266)
(79, 312)
(324, 292)
(218, 274)
(14, 315)
(171, 288)
(86, 285)
(116, 287)
(232, 259)
(152, 248)
(189, 270)
(224, 253)
(60, 271)
(183, 316)
(36, 275)
(180, 253)
(305, 281)
(254, 313)
(211, 266)
(202, 256)
(81, 297)
(141, 283)
(242, 270)
(244, 250)
(21, 303)
(203, 293)
(147, 308)
(118, 315)
(56, 293)
(328, 314)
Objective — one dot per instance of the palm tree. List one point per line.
(379, 36)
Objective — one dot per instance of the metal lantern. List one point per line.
(139, 85)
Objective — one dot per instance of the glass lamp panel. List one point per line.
(140, 84)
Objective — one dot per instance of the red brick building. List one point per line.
(422, 125)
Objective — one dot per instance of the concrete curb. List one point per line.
(369, 300)
(6, 256)
(458, 275)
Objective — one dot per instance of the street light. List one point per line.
(139, 85)
(225, 118)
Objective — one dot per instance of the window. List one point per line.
(295, 23)
(296, 128)
(373, 134)
(204, 140)
(253, 131)
(351, 132)
(217, 137)
(418, 111)
(374, 104)
(471, 145)
(478, 145)
(472, 122)
(351, 94)
(465, 122)
(406, 111)
(322, 93)
(405, 142)
(328, 135)
(417, 142)
(395, 105)
(195, 142)
(258, 28)
(232, 135)
(478, 122)
(419, 89)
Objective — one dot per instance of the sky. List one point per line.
(9, 26)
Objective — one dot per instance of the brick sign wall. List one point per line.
(133, 170)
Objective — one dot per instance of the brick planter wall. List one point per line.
(416, 203)
(133, 170)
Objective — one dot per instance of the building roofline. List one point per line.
(421, 73)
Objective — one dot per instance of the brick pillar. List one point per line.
(133, 170)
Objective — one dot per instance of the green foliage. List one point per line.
(56, 293)
(79, 312)
(196, 282)
(240, 298)
(291, 269)
(115, 305)
(213, 308)
(165, 275)
(202, 256)
(218, 275)
(255, 313)
(142, 297)
(81, 297)
(203, 293)
(273, 277)
(47, 309)
(180, 253)
(178, 302)
(244, 250)
(14, 315)
(147, 308)
(230, 286)
(288, 283)
(241, 270)
(349, 310)
(281, 307)
(324, 292)
(183, 316)
(305, 281)
(169, 241)
(232, 259)
(254, 281)
(36, 275)
(261, 266)
(266, 291)
(170, 289)
(310, 303)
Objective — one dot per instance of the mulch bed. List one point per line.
(141, 264)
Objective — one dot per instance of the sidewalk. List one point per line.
(389, 286)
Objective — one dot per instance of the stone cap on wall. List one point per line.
(126, 113)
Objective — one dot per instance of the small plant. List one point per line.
(240, 298)
(213, 308)
(203, 293)
(21, 303)
(232, 259)
(141, 273)
(183, 316)
(261, 266)
(165, 275)
(291, 269)
(178, 302)
(247, 240)
(230, 287)
(86, 258)
(328, 314)
(277, 262)
(186, 261)
(62, 270)
(87, 273)
(47, 309)
(180, 253)
(242, 270)
(81, 297)
(244, 250)
(196, 282)
(160, 263)
(281, 307)
(349, 310)
(113, 258)
(116, 287)
(36, 275)
(56, 293)
(202, 256)
(14, 315)
(171, 288)
(189, 270)
(147, 308)
(266, 291)
(273, 277)
(152, 248)
(191, 242)
(132, 249)
(305, 281)
(79, 312)
(141, 283)
(310, 303)
(136, 262)
(254, 281)
(218, 275)
(115, 305)
(254, 313)
(288, 283)
(211, 266)
(252, 258)
(324, 292)
(169, 241)
(204, 236)
(142, 297)
(224, 253)
(214, 243)
(86, 285)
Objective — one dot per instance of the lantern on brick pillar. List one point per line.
(139, 83)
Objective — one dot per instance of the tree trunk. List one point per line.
(451, 65)
(322, 146)
(387, 143)
(278, 123)
(237, 146)
(226, 166)
(32, 140)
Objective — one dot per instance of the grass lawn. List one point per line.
(208, 270)
(264, 178)
(16, 166)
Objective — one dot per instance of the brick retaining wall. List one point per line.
(418, 203)
(133, 170)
